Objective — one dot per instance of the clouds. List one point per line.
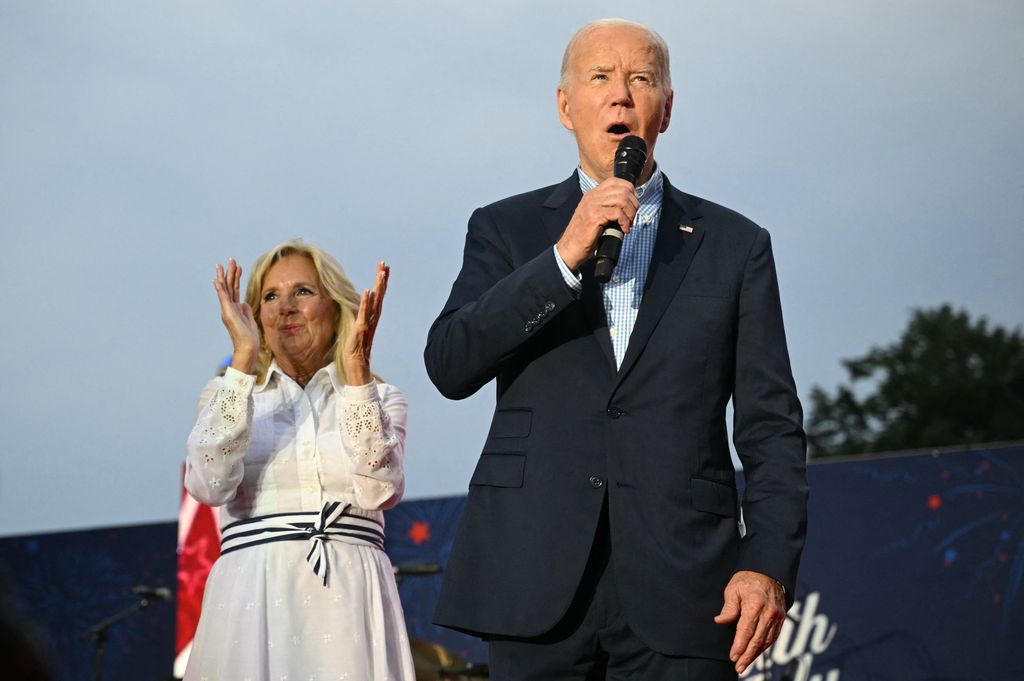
(141, 144)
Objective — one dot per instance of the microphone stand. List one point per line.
(98, 633)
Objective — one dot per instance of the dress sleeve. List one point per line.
(217, 444)
(373, 435)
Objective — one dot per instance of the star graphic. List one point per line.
(419, 532)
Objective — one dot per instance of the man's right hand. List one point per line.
(614, 200)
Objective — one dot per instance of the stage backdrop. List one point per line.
(62, 584)
(913, 572)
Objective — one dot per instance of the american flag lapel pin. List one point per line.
(686, 228)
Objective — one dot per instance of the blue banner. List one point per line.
(913, 571)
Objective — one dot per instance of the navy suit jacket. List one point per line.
(569, 428)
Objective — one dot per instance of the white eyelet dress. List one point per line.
(303, 590)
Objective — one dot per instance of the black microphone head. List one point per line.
(630, 157)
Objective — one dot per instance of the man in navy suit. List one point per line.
(602, 534)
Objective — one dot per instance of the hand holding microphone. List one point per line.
(605, 213)
(630, 158)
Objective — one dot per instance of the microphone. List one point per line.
(415, 570)
(410, 569)
(630, 157)
(161, 593)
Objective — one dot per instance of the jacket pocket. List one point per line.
(511, 423)
(715, 497)
(509, 430)
(499, 470)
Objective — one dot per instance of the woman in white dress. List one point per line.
(300, 446)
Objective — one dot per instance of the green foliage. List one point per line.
(946, 381)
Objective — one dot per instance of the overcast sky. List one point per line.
(880, 142)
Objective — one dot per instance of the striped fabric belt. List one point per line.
(333, 522)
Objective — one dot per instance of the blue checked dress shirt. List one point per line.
(622, 294)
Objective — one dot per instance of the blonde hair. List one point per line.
(657, 42)
(332, 281)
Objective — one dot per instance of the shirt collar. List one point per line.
(650, 190)
(271, 370)
(324, 373)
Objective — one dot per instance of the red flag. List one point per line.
(198, 548)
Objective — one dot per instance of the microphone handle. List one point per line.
(608, 247)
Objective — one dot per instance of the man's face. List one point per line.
(613, 88)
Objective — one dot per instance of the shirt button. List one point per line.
(596, 482)
(615, 279)
(614, 412)
(613, 331)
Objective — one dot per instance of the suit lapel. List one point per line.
(560, 206)
(679, 236)
(592, 300)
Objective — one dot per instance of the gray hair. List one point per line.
(657, 42)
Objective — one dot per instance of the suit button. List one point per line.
(614, 412)
(596, 482)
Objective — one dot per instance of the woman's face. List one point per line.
(299, 320)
